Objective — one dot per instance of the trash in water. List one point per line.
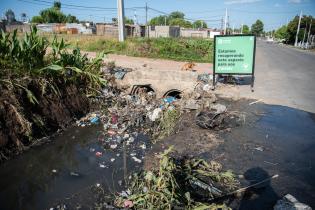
(98, 154)
(169, 99)
(112, 159)
(94, 120)
(92, 150)
(54, 171)
(98, 184)
(102, 166)
(113, 146)
(74, 174)
(143, 146)
(209, 120)
(259, 149)
(111, 132)
(289, 202)
(136, 159)
(128, 204)
(155, 114)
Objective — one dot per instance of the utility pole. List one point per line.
(165, 20)
(225, 21)
(298, 30)
(309, 32)
(146, 19)
(121, 20)
(242, 28)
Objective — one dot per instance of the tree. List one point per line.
(292, 28)
(246, 29)
(54, 15)
(281, 33)
(129, 21)
(199, 24)
(159, 20)
(257, 28)
(10, 16)
(177, 14)
(57, 5)
(37, 19)
(180, 22)
(71, 19)
(23, 17)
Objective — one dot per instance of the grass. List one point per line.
(180, 49)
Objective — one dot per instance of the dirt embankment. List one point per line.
(21, 121)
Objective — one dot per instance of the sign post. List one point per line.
(234, 55)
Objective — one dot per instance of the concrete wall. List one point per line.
(111, 31)
(22, 28)
(69, 28)
(193, 33)
(164, 31)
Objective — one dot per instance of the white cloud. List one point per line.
(240, 1)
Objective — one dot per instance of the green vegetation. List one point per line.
(181, 49)
(168, 122)
(24, 59)
(246, 29)
(257, 28)
(179, 184)
(54, 15)
(174, 19)
(293, 25)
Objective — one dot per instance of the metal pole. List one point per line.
(121, 20)
(298, 30)
(225, 21)
(146, 19)
(309, 32)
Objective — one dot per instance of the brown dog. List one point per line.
(188, 66)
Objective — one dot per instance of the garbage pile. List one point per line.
(178, 184)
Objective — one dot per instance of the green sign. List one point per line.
(234, 54)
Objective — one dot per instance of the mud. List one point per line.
(21, 122)
(272, 140)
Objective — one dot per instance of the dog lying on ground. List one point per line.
(188, 66)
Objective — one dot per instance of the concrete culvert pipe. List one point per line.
(136, 89)
(173, 93)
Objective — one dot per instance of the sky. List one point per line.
(273, 13)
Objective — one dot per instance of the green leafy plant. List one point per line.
(173, 184)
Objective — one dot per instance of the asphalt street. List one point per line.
(284, 76)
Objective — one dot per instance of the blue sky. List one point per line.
(272, 13)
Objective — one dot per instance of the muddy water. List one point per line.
(281, 142)
(30, 182)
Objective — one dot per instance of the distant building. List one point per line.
(199, 33)
(65, 28)
(163, 31)
(19, 26)
(111, 30)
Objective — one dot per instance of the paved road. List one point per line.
(284, 76)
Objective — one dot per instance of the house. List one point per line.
(163, 31)
(111, 30)
(199, 33)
